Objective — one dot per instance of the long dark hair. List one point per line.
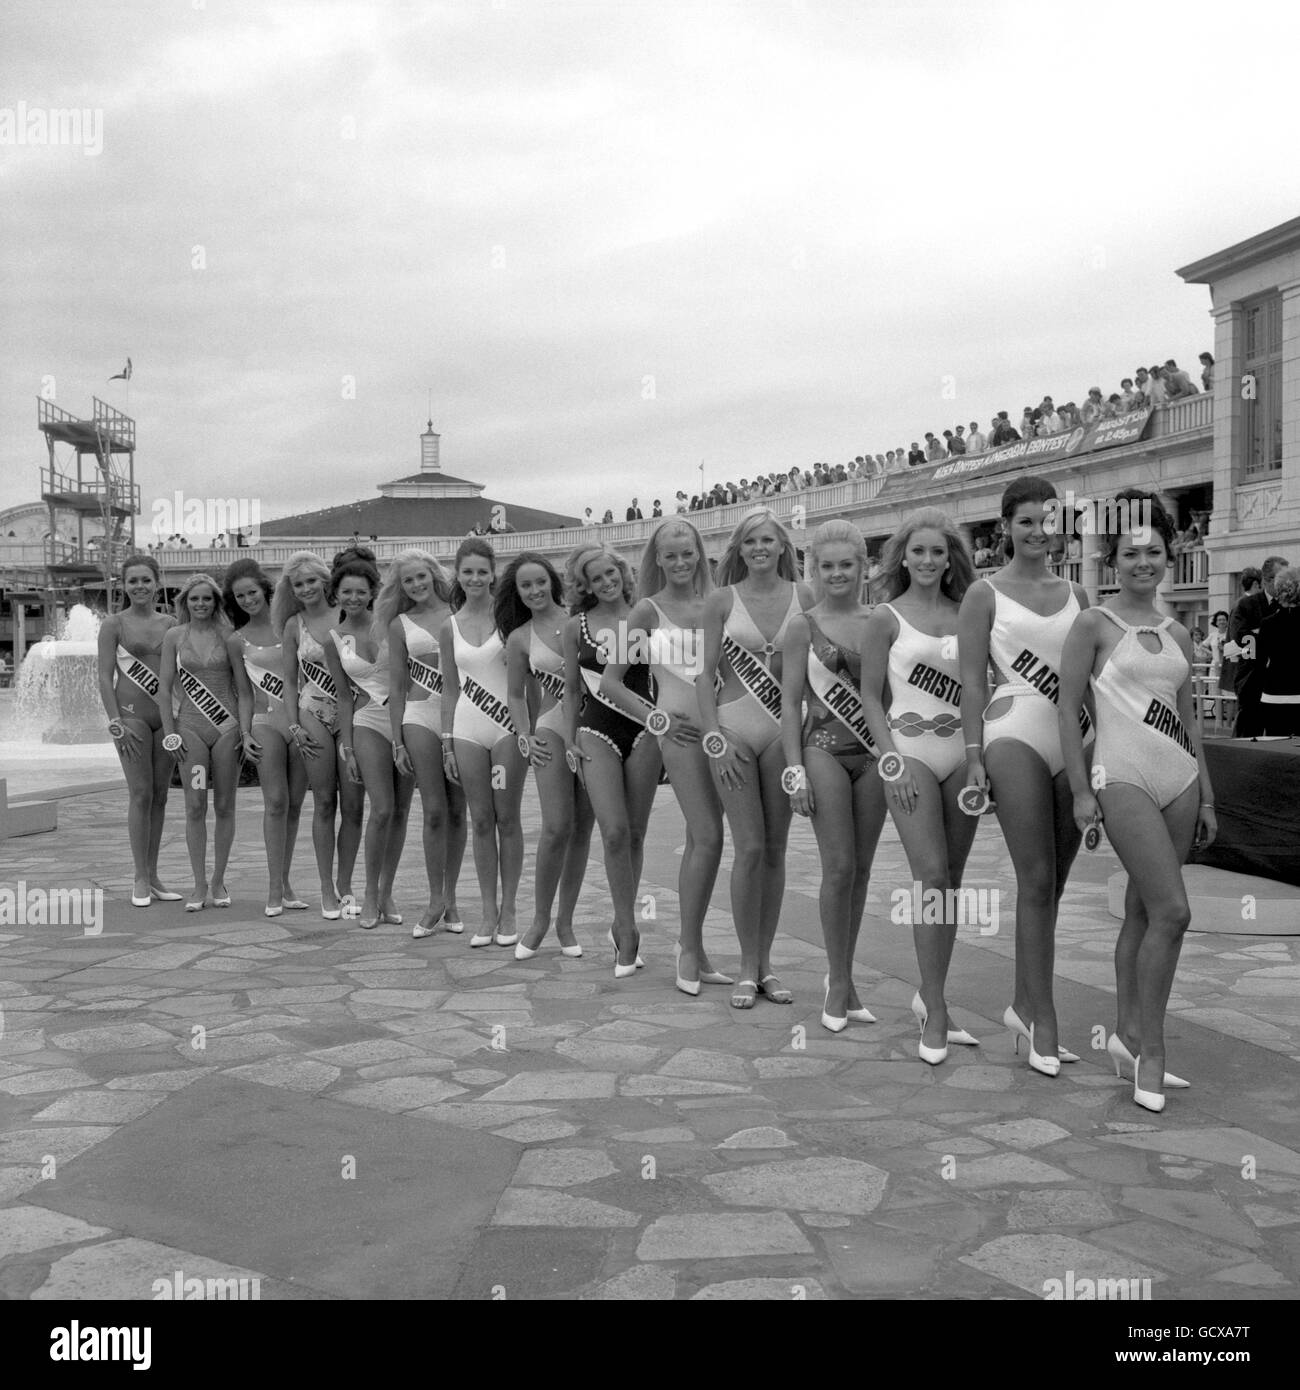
(243, 569)
(1024, 488)
(509, 610)
(356, 561)
(958, 577)
(1138, 501)
(471, 545)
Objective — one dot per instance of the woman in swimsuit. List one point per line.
(358, 661)
(130, 646)
(479, 741)
(246, 595)
(831, 764)
(302, 611)
(1013, 743)
(529, 614)
(745, 623)
(211, 727)
(1149, 782)
(615, 758)
(412, 607)
(912, 641)
(666, 631)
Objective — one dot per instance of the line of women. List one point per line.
(755, 698)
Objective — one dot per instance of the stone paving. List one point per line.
(335, 1113)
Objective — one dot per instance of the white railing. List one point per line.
(1180, 416)
(1192, 567)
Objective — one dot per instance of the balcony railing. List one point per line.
(1180, 416)
(1192, 567)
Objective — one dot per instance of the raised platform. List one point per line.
(1228, 904)
(31, 818)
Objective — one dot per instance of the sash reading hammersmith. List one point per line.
(754, 676)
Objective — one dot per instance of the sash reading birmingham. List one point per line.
(319, 676)
(472, 691)
(754, 676)
(427, 677)
(135, 670)
(1041, 676)
(207, 704)
(1167, 721)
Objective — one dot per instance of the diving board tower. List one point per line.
(90, 474)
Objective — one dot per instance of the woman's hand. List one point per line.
(802, 802)
(730, 767)
(1207, 827)
(402, 760)
(250, 748)
(682, 731)
(578, 757)
(904, 794)
(1087, 811)
(449, 769)
(350, 762)
(539, 752)
(180, 752)
(130, 745)
(306, 744)
(976, 773)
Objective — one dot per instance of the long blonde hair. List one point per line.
(284, 603)
(651, 578)
(732, 569)
(393, 599)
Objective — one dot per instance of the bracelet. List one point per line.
(116, 729)
(975, 745)
(295, 729)
(172, 743)
(891, 767)
(658, 721)
(525, 748)
(1207, 805)
(714, 745)
(344, 750)
(794, 779)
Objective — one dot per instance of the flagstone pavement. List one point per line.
(341, 1114)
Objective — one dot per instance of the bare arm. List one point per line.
(167, 679)
(517, 680)
(344, 688)
(450, 695)
(974, 620)
(611, 680)
(109, 631)
(1077, 660)
(397, 679)
(1207, 825)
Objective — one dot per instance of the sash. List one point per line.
(207, 704)
(137, 672)
(1167, 721)
(1039, 677)
(841, 699)
(271, 685)
(379, 701)
(549, 682)
(592, 680)
(486, 703)
(427, 677)
(318, 674)
(757, 680)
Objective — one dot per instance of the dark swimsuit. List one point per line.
(822, 728)
(596, 717)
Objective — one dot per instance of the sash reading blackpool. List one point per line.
(754, 676)
(318, 674)
(207, 704)
(495, 709)
(841, 699)
(1041, 677)
(428, 678)
(137, 672)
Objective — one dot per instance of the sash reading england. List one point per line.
(840, 698)
(207, 704)
(754, 676)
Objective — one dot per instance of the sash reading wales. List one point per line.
(754, 676)
(137, 672)
(317, 673)
(1041, 677)
(427, 677)
(482, 699)
(207, 704)
(840, 699)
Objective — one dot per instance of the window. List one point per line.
(1262, 360)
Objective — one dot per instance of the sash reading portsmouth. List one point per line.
(207, 704)
(1041, 676)
(841, 699)
(427, 677)
(754, 676)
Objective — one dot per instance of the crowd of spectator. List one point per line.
(1147, 387)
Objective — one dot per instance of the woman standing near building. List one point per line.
(358, 661)
(666, 629)
(302, 613)
(615, 758)
(1279, 658)
(1013, 745)
(831, 760)
(479, 740)
(745, 623)
(212, 724)
(413, 604)
(529, 616)
(130, 649)
(1148, 781)
(912, 641)
(246, 596)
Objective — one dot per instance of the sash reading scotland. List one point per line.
(317, 673)
(207, 704)
(427, 677)
(271, 685)
(137, 672)
(1104, 434)
(840, 698)
(754, 676)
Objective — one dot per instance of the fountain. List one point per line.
(57, 691)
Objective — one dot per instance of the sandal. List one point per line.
(779, 995)
(742, 998)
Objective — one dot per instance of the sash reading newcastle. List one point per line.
(549, 682)
(137, 672)
(318, 674)
(495, 709)
(1164, 720)
(1039, 676)
(207, 704)
(592, 681)
(754, 676)
(271, 685)
(841, 699)
(428, 678)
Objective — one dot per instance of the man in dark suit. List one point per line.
(1243, 629)
(634, 512)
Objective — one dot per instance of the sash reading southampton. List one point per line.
(1164, 720)
(317, 674)
(137, 672)
(841, 699)
(1041, 676)
(207, 704)
(495, 710)
(427, 677)
(754, 676)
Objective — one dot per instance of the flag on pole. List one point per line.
(124, 374)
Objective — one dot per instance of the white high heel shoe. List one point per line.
(933, 1055)
(956, 1036)
(829, 1021)
(1011, 1021)
(691, 987)
(1148, 1100)
(1049, 1066)
(1119, 1053)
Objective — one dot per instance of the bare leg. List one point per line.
(689, 775)
(297, 777)
(869, 816)
(604, 776)
(272, 774)
(323, 775)
(140, 785)
(509, 776)
(457, 833)
(196, 778)
(425, 749)
(475, 765)
(555, 791)
(225, 787)
(834, 828)
(374, 756)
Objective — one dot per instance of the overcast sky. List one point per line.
(613, 239)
